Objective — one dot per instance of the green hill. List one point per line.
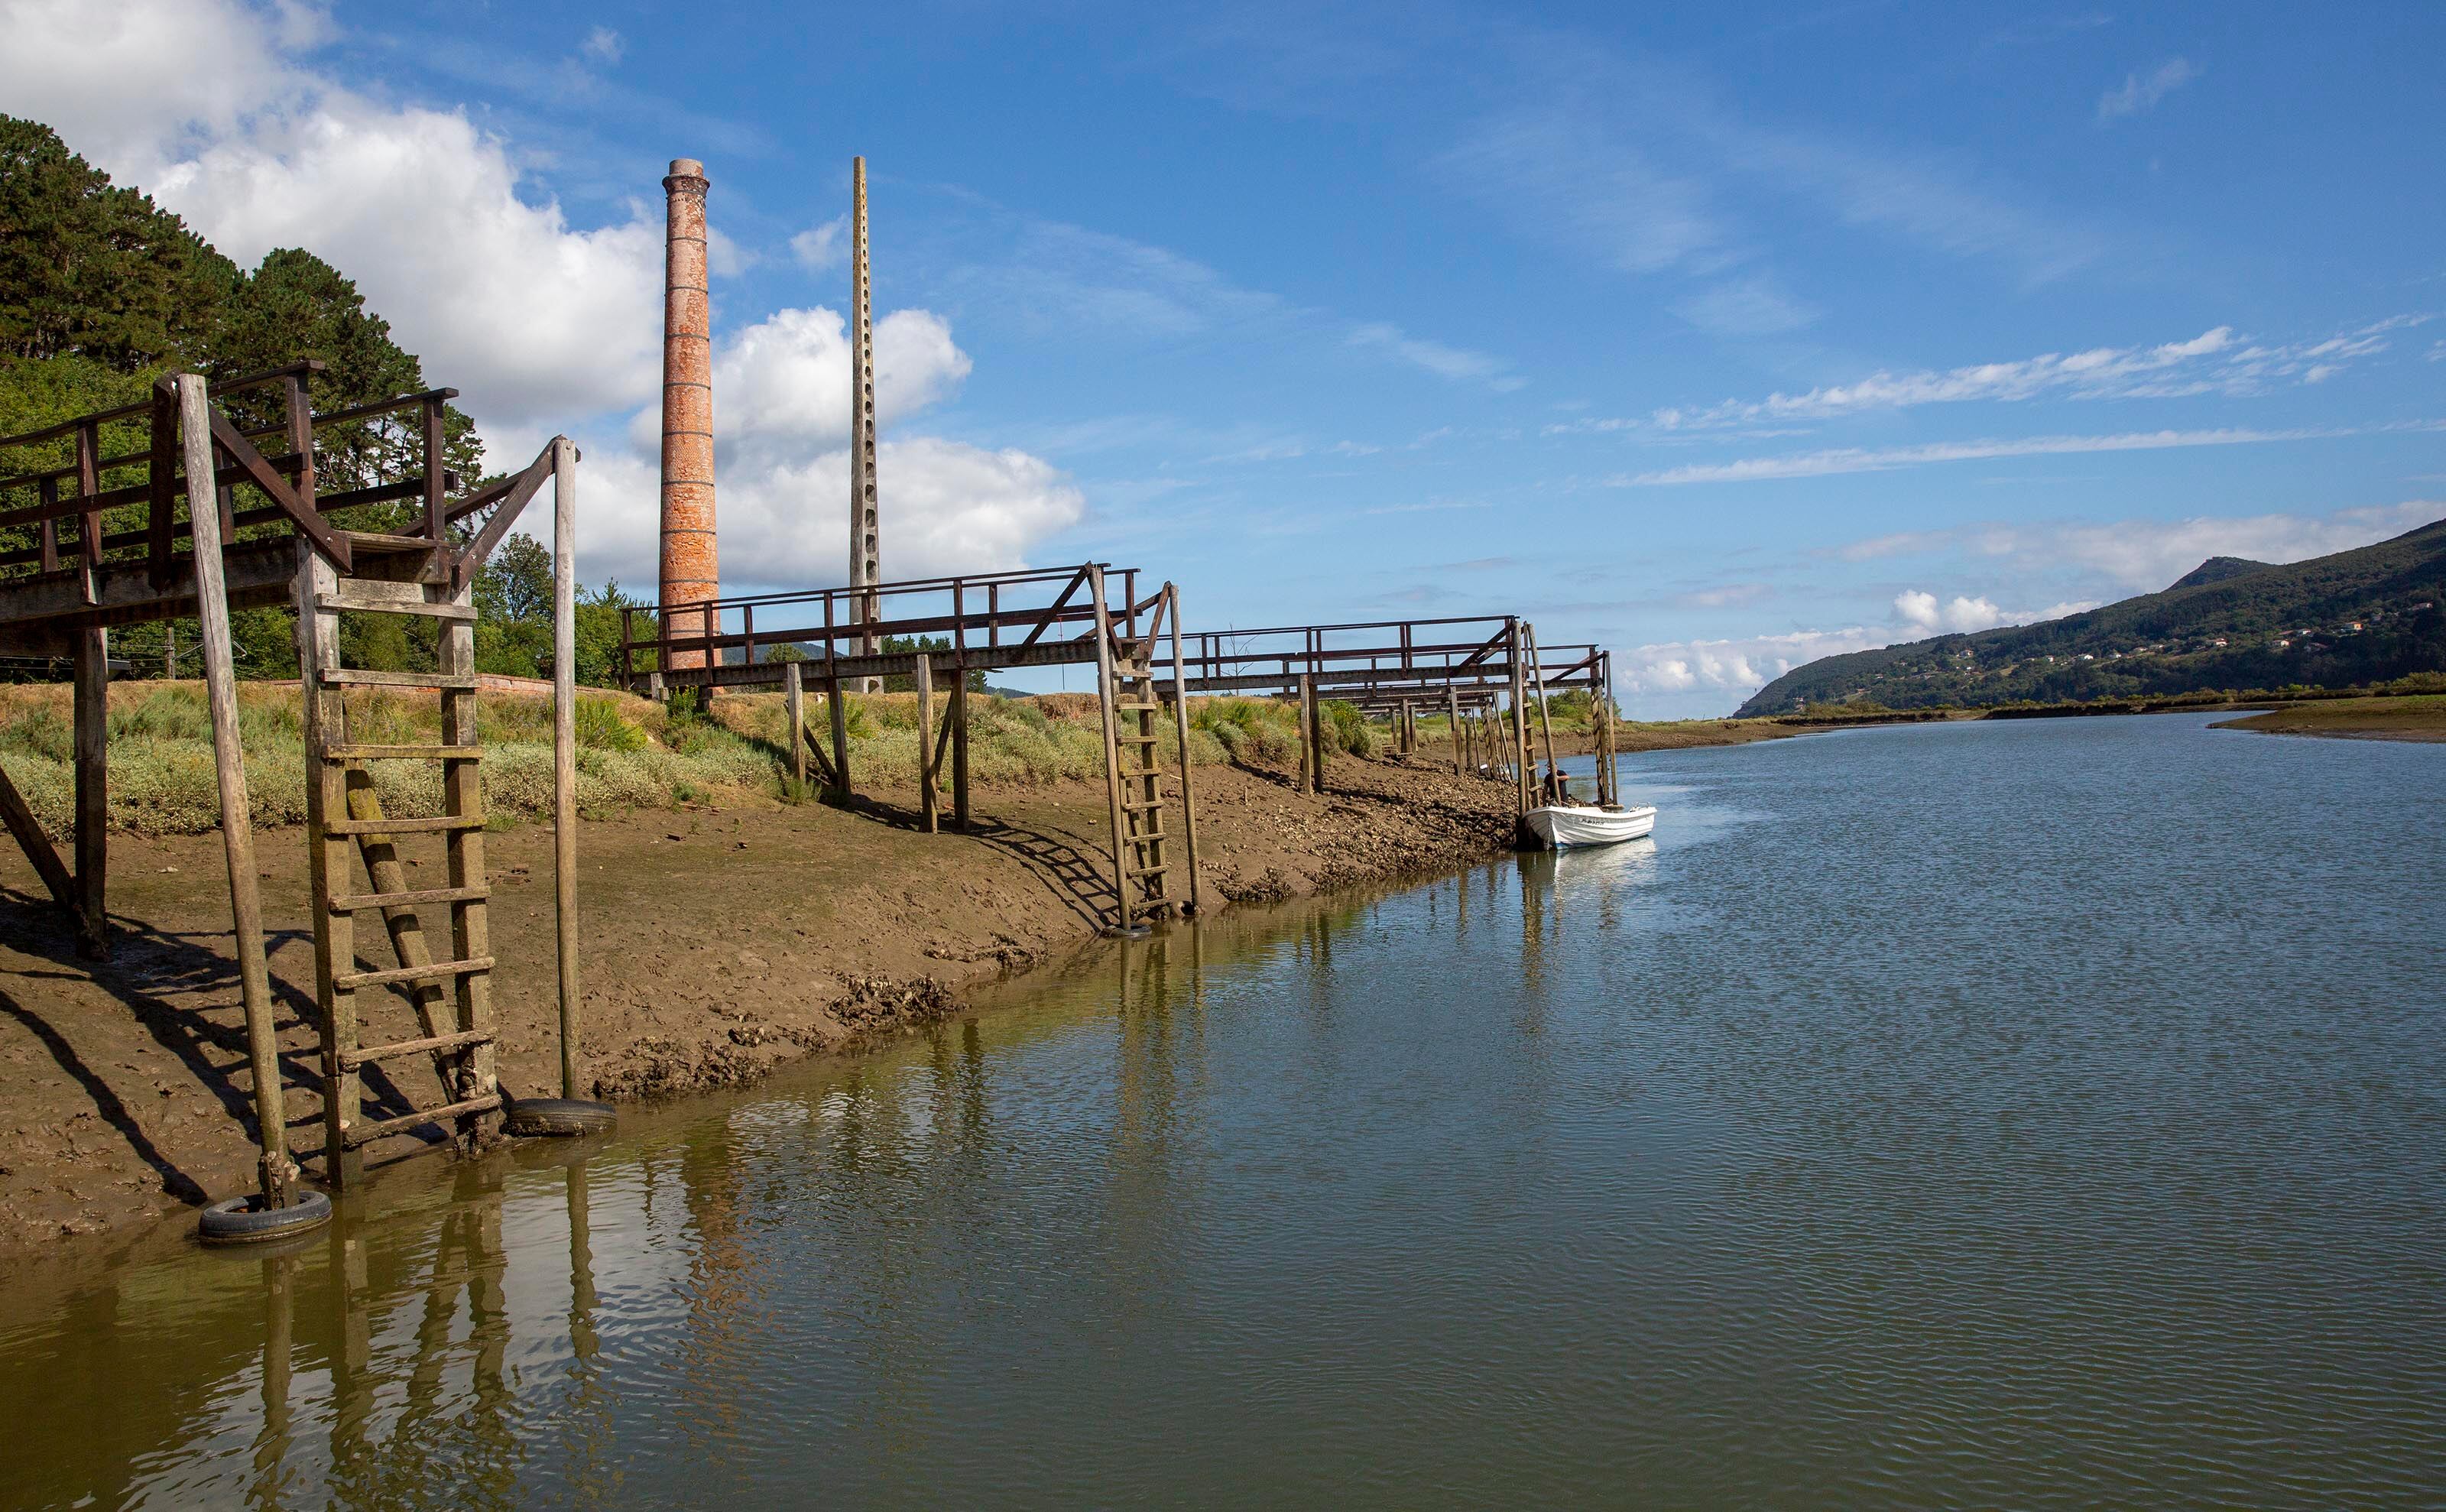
(2364, 616)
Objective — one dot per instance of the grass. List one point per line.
(632, 754)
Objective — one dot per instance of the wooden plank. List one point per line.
(468, 1108)
(406, 753)
(429, 1045)
(37, 846)
(92, 722)
(261, 474)
(427, 972)
(564, 754)
(367, 677)
(447, 823)
(353, 903)
(354, 595)
(276, 1171)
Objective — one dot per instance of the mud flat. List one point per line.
(2415, 717)
(717, 945)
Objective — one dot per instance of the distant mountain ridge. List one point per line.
(2368, 615)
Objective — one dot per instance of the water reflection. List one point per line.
(1512, 1187)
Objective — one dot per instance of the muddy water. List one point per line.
(2039, 1114)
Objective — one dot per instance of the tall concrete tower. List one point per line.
(865, 560)
(691, 570)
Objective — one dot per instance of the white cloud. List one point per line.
(2141, 556)
(1736, 665)
(1962, 615)
(820, 249)
(2215, 361)
(1585, 185)
(1432, 356)
(1754, 305)
(2139, 94)
(542, 326)
(603, 46)
(1885, 459)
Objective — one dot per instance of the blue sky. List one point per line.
(1727, 338)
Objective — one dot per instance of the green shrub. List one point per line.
(600, 727)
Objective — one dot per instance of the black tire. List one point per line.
(239, 1220)
(558, 1117)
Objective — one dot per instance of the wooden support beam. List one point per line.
(1519, 735)
(1181, 728)
(794, 705)
(960, 752)
(37, 846)
(277, 1173)
(1452, 715)
(564, 755)
(327, 862)
(840, 740)
(462, 789)
(92, 792)
(1121, 919)
(926, 819)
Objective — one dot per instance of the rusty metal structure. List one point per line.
(691, 565)
(865, 532)
(179, 473)
(992, 621)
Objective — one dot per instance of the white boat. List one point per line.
(1562, 825)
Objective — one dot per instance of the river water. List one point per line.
(2033, 1114)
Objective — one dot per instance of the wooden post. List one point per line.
(840, 740)
(564, 753)
(1452, 714)
(1124, 918)
(1518, 734)
(37, 846)
(462, 787)
(1180, 729)
(960, 752)
(277, 1172)
(1538, 676)
(926, 818)
(793, 706)
(1312, 749)
(92, 790)
(327, 859)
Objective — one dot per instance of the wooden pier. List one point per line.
(845, 637)
(120, 535)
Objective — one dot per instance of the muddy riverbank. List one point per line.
(717, 945)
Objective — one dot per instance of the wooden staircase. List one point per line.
(1152, 876)
(451, 994)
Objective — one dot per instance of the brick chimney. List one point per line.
(690, 560)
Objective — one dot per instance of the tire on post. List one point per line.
(557, 1118)
(242, 1221)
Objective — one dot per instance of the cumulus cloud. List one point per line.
(820, 249)
(1961, 615)
(2138, 94)
(1738, 666)
(541, 324)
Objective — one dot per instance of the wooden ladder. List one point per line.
(1152, 876)
(452, 996)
